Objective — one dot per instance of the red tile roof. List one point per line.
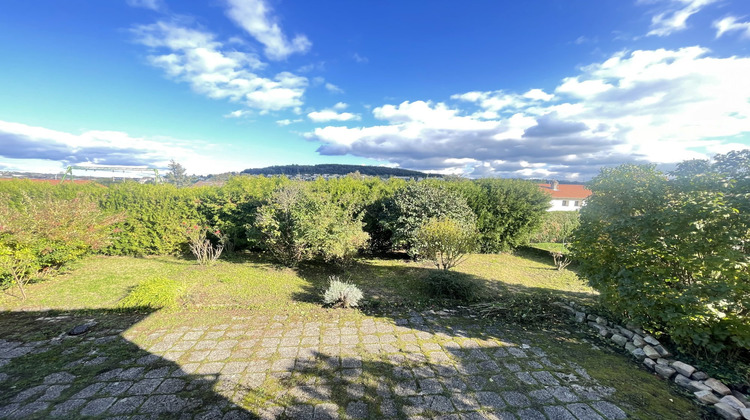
(574, 191)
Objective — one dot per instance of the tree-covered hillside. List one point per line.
(334, 169)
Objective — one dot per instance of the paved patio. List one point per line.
(417, 366)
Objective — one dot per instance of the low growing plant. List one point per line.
(204, 251)
(451, 285)
(157, 292)
(341, 294)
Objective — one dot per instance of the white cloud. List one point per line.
(340, 106)
(333, 88)
(332, 115)
(730, 24)
(675, 17)
(256, 17)
(238, 113)
(37, 148)
(195, 57)
(156, 5)
(286, 122)
(660, 106)
(360, 59)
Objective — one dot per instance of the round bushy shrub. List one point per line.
(451, 285)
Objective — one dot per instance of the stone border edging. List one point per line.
(729, 404)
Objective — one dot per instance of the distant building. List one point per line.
(566, 197)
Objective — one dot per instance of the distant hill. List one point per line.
(334, 169)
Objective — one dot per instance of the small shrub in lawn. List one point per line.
(523, 308)
(561, 260)
(157, 292)
(341, 294)
(450, 285)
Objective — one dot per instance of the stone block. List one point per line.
(732, 401)
(683, 368)
(639, 354)
(699, 376)
(580, 317)
(649, 363)
(638, 341)
(717, 386)
(706, 397)
(682, 381)
(728, 412)
(665, 371)
(651, 353)
(651, 340)
(619, 340)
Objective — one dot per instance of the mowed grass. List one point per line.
(251, 281)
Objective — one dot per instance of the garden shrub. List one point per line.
(156, 293)
(445, 241)
(417, 203)
(299, 224)
(46, 233)
(451, 285)
(556, 227)
(672, 253)
(339, 293)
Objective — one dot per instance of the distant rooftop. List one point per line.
(573, 191)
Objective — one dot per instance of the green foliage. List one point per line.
(451, 285)
(38, 235)
(556, 227)
(524, 308)
(445, 241)
(417, 203)
(177, 175)
(153, 217)
(672, 254)
(204, 251)
(300, 224)
(339, 293)
(157, 292)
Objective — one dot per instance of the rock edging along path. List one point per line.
(729, 404)
(274, 367)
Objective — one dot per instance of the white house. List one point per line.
(566, 197)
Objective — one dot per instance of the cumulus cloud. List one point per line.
(195, 57)
(730, 24)
(287, 121)
(257, 18)
(675, 17)
(332, 115)
(660, 106)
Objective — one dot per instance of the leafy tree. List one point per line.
(671, 254)
(417, 203)
(445, 241)
(177, 174)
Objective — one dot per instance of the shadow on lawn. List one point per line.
(46, 373)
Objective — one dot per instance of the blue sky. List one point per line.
(549, 88)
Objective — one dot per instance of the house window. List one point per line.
(565, 203)
(577, 204)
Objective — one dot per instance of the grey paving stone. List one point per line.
(405, 388)
(89, 391)
(526, 378)
(583, 412)
(97, 407)
(445, 370)
(357, 410)
(59, 378)
(491, 400)
(498, 381)
(454, 384)
(65, 408)
(516, 399)
(144, 386)
(438, 403)
(530, 414)
(131, 373)
(557, 412)
(158, 404)
(238, 415)
(29, 393)
(464, 402)
(388, 408)
(300, 412)
(545, 378)
(162, 372)
(108, 375)
(53, 392)
(563, 394)
(430, 386)
(541, 396)
(476, 383)
(513, 367)
(113, 389)
(609, 410)
(170, 386)
(7, 410)
(126, 405)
